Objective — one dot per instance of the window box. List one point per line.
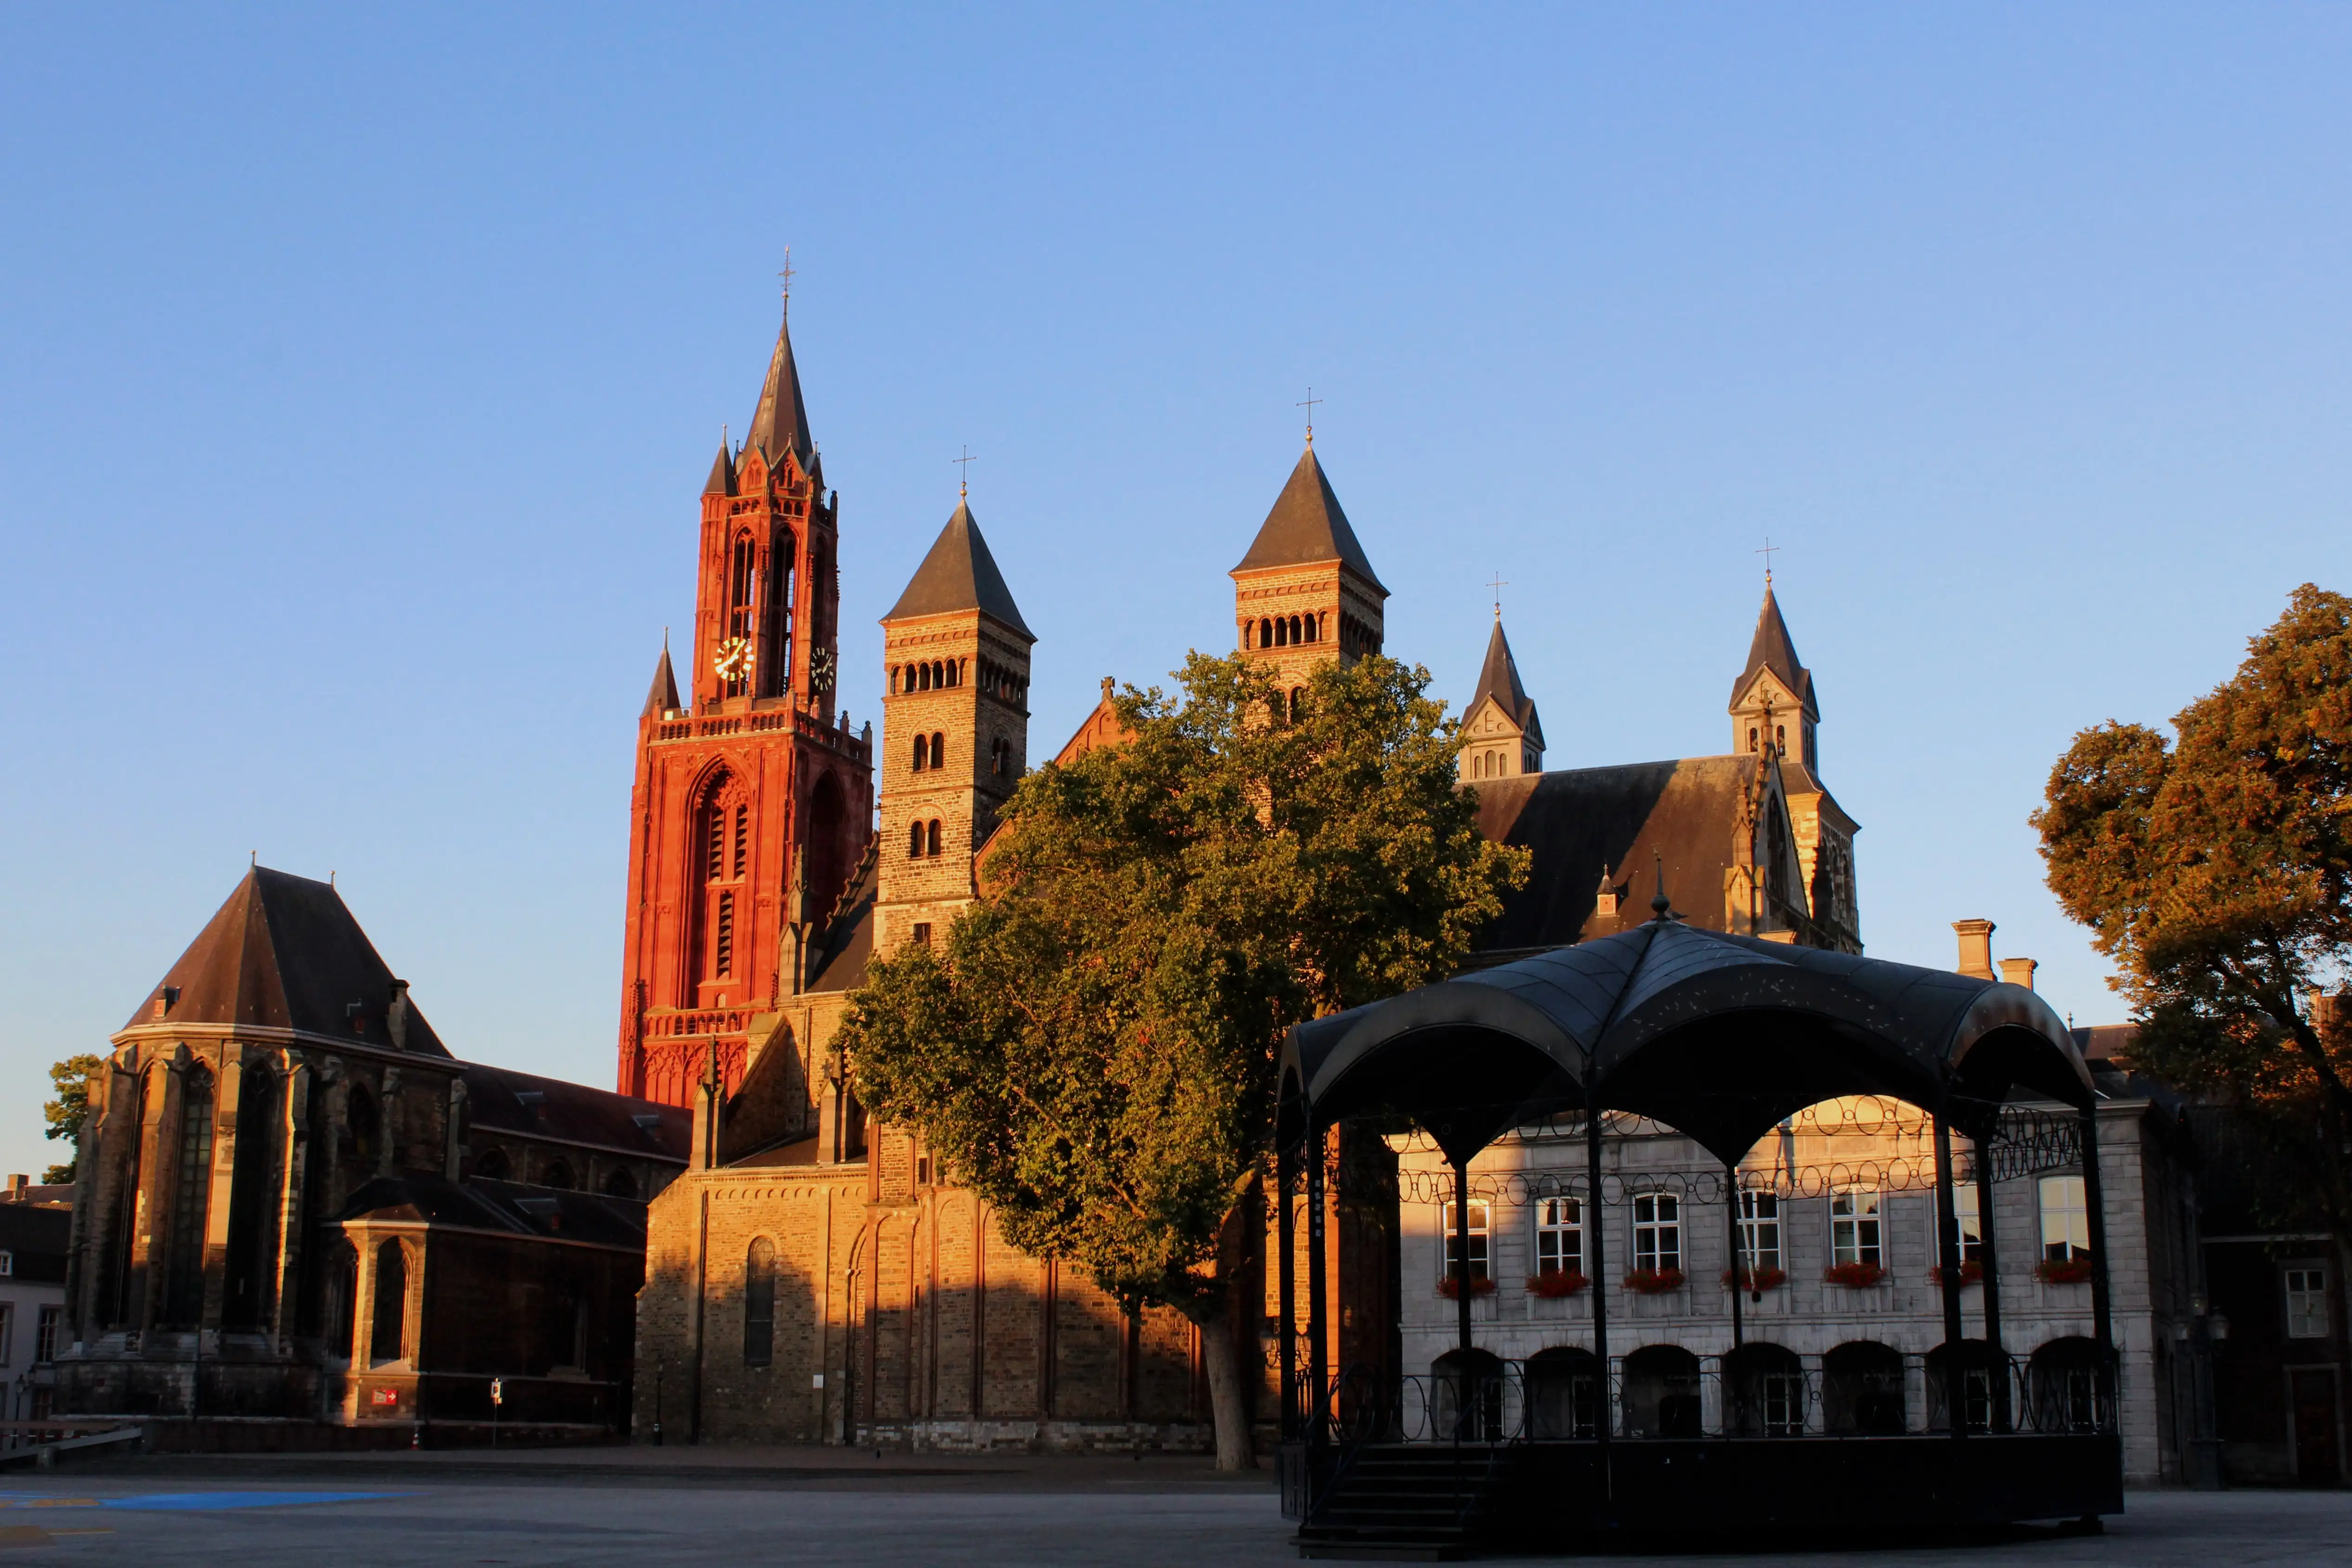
(1765, 1278)
(2064, 1270)
(1555, 1283)
(1451, 1286)
(1655, 1281)
(1971, 1273)
(1854, 1276)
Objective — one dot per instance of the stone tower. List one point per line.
(1501, 736)
(752, 800)
(955, 730)
(1774, 708)
(1305, 592)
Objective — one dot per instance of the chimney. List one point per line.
(1976, 948)
(396, 1016)
(17, 1185)
(2019, 971)
(166, 999)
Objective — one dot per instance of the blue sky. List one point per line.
(358, 373)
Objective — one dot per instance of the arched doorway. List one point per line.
(2065, 1378)
(1766, 1389)
(1466, 1395)
(1662, 1393)
(1564, 1393)
(1973, 1367)
(1862, 1389)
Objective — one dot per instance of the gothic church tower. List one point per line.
(1305, 591)
(752, 800)
(1774, 710)
(955, 730)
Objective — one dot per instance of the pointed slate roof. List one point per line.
(284, 952)
(1500, 680)
(1306, 527)
(1773, 650)
(663, 698)
(722, 474)
(960, 574)
(780, 423)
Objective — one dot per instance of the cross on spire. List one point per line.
(1768, 551)
(1310, 406)
(963, 464)
(787, 276)
(1498, 585)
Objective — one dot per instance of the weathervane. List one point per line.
(1310, 406)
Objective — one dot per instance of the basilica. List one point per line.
(813, 1276)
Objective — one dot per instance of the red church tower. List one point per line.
(752, 801)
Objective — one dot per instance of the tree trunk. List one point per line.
(1228, 1402)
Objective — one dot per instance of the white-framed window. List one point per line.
(1560, 1236)
(2065, 1219)
(45, 1334)
(1968, 1201)
(1449, 1242)
(1657, 1231)
(1854, 1228)
(2306, 1302)
(1759, 1230)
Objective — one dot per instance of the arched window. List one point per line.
(938, 674)
(922, 754)
(777, 678)
(914, 841)
(342, 1298)
(388, 1340)
(184, 1301)
(759, 1303)
(955, 672)
(1281, 631)
(620, 1184)
(359, 1120)
(1751, 737)
(1862, 1389)
(1315, 629)
(1266, 634)
(742, 579)
(939, 748)
(1780, 739)
(556, 1173)
(252, 1238)
(491, 1164)
(932, 838)
(1294, 635)
(1297, 703)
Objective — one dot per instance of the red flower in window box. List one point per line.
(1853, 1275)
(1655, 1281)
(1756, 1280)
(1971, 1273)
(1451, 1286)
(2065, 1270)
(1554, 1283)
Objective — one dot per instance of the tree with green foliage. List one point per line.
(70, 1108)
(2216, 870)
(1092, 1046)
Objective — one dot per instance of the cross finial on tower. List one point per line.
(963, 466)
(1768, 551)
(787, 276)
(1310, 406)
(1498, 585)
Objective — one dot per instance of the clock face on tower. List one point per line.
(820, 671)
(734, 660)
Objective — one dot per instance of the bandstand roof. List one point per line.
(1720, 1037)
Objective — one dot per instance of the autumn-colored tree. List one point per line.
(70, 1108)
(1092, 1046)
(2216, 870)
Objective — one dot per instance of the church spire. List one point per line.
(959, 574)
(1308, 527)
(1773, 650)
(1501, 736)
(663, 698)
(780, 423)
(1773, 700)
(722, 472)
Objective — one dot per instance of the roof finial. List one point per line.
(787, 276)
(665, 640)
(1768, 551)
(1498, 585)
(257, 858)
(963, 480)
(1659, 902)
(1310, 406)
(726, 441)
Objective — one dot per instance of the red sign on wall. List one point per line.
(384, 1396)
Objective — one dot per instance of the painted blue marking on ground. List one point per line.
(206, 1502)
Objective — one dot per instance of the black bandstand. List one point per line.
(1722, 1038)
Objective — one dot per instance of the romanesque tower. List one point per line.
(753, 796)
(1305, 592)
(1774, 708)
(955, 730)
(1501, 736)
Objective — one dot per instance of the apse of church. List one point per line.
(753, 796)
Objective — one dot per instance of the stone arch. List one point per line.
(1862, 1389)
(1563, 1393)
(1662, 1397)
(388, 1330)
